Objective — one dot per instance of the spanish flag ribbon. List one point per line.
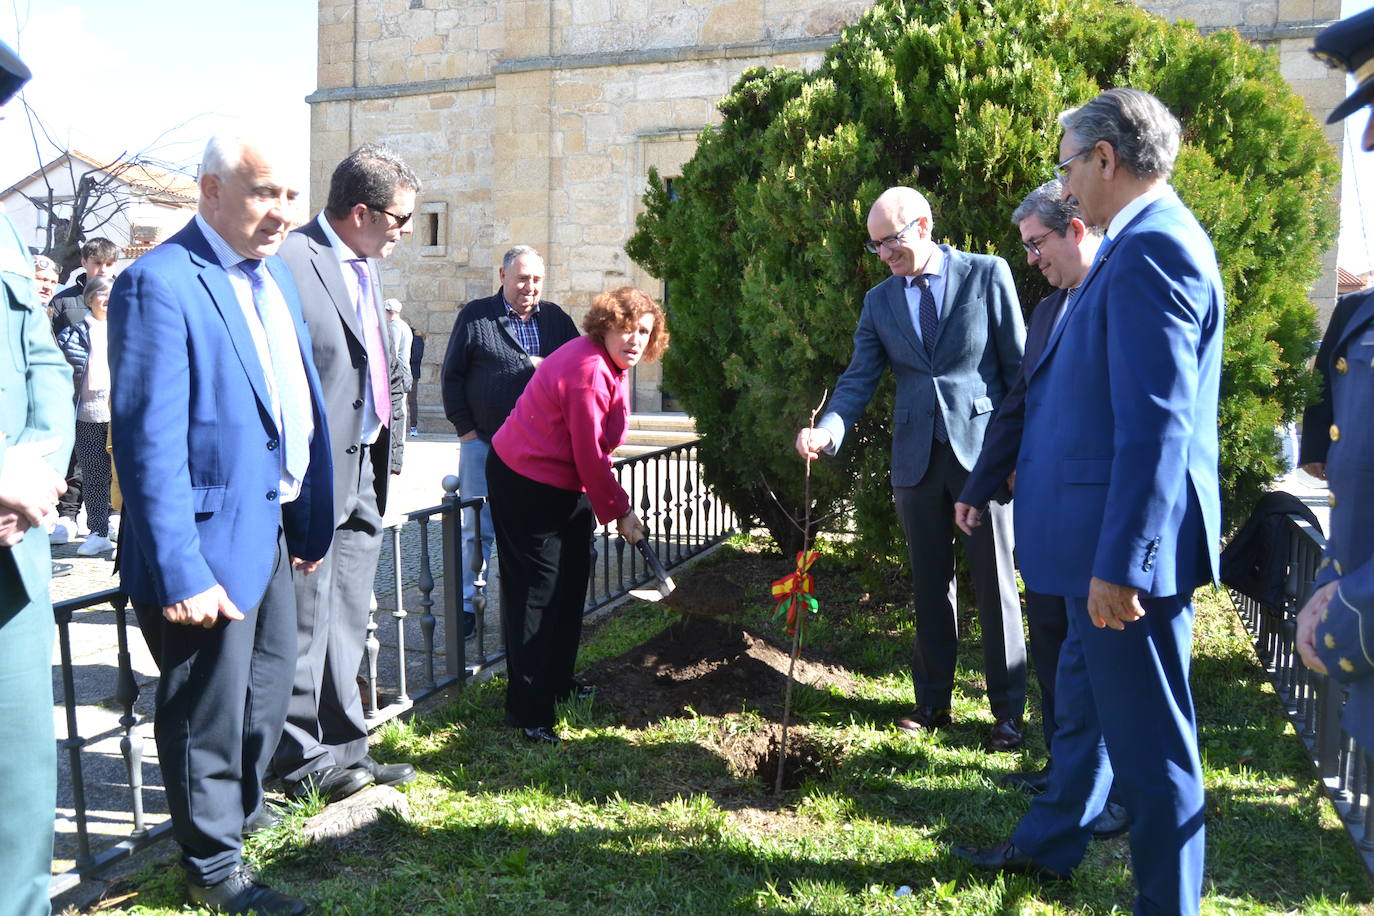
(793, 593)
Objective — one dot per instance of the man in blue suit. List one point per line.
(1118, 506)
(1336, 626)
(223, 456)
(949, 325)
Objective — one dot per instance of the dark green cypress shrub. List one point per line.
(762, 251)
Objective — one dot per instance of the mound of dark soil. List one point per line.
(714, 667)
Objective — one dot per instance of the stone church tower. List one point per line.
(536, 121)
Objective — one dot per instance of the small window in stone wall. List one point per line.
(432, 228)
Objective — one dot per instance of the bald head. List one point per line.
(899, 224)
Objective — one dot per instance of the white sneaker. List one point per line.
(94, 546)
(114, 528)
(63, 531)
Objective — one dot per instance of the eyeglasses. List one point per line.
(1033, 246)
(892, 241)
(1062, 169)
(400, 220)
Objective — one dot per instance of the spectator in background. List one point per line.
(417, 361)
(98, 257)
(497, 343)
(550, 475)
(45, 276)
(401, 341)
(85, 345)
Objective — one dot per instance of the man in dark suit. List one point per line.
(949, 325)
(495, 346)
(222, 451)
(1118, 502)
(1336, 626)
(36, 429)
(333, 259)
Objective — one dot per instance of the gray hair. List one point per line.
(94, 287)
(43, 262)
(519, 251)
(1136, 124)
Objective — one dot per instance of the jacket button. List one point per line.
(352, 449)
(1331, 500)
(1341, 365)
(271, 495)
(1335, 433)
(1339, 571)
(358, 403)
(271, 445)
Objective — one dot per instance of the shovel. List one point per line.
(662, 586)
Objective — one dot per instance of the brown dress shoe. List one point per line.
(1007, 735)
(924, 719)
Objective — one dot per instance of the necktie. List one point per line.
(928, 326)
(293, 400)
(1064, 307)
(372, 339)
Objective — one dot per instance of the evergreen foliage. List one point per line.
(762, 250)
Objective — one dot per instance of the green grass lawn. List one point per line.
(650, 819)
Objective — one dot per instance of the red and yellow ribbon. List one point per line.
(793, 593)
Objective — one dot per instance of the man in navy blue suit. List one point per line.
(1117, 493)
(223, 456)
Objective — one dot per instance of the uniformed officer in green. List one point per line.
(36, 424)
(1336, 627)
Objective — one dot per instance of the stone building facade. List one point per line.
(536, 122)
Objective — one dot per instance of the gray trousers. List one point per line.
(324, 722)
(926, 512)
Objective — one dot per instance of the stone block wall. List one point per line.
(536, 122)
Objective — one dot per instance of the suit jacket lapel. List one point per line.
(894, 295)
(1038, 334)
(216, 282)
(325, 261)
(956, 271)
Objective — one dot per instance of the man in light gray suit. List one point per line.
(949, 324)
(333, 260)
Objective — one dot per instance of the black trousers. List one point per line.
(543, 541)
(1048, 623)
(221, 703)
(926, 512)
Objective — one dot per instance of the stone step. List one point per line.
(680, 422)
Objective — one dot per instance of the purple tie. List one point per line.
(928, 326)
(372, 338)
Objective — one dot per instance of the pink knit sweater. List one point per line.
(571, 416)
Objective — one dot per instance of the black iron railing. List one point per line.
(419, 651)
(1313, 701)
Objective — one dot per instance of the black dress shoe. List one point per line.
(386, 774)
(1032, 782)
(241, 893)
(1007, 735)
(541, 735)
(333, 783)
(267, 818)
(1005, 857)
(924, 719)
(1113, 821)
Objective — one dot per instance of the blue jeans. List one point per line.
(472, 482)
